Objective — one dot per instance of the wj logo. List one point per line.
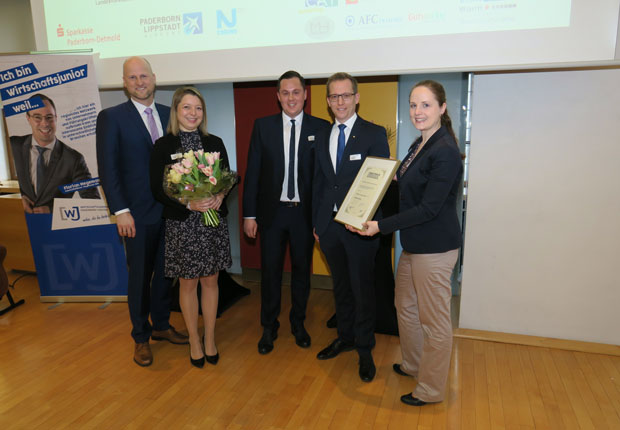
(192, 23)
(70, 214)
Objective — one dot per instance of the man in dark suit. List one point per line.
(125, 136)
(44, 163)
(277, 200)
(339, 155)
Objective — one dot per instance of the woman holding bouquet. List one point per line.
(193, 250)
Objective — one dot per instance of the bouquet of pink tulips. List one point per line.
(198, 175)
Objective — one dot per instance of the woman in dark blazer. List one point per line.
(429, 180)
(193, 251)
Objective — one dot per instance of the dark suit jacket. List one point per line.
(66, 165)
(265, 169)
(365, 139)
(123, 152)
(164, 148)
(429, 188)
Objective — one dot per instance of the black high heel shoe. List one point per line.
(198, 362)
(211, 359)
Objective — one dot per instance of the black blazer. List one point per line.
(429, 188)
(124, 148)
(161, 157)
(66, 165)
(265, 170)
(365, 139)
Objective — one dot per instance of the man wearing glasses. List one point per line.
(351, 257)
(44, 163)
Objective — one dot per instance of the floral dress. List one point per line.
(193, 249)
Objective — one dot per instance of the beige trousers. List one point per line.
(422, 299)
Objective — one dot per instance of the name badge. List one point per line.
(311, 138)
(176, 156)
(354, 157)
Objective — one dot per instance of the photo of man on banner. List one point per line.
(44, 163)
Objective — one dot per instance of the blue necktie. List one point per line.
(290, 192)
(341, 142)
(41, 168)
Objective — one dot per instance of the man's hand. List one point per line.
(41, 210)
(250, 227)
(316, 237)
(27, 204)
(125, 225)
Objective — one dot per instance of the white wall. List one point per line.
(543, 222)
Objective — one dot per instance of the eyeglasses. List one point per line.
(345, 97)
(39, 118)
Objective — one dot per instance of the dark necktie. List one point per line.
(341, 142)
(290, 192)
(410, 157)
(41, 168)
(150, 119)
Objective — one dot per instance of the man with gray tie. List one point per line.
(125, 137)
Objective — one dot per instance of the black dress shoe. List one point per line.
(367, 369)
(212, 359)
(334, 348)
(302, 338)
(332, 322)
(265, 344)
(398, 370)
(408, 399)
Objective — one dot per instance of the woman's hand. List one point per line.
(214, 202)
(204, 205)
(370, 228)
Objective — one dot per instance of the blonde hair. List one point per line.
(173, 124)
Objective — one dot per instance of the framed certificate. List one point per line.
(366, 192)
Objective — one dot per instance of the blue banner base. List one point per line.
(87, 263)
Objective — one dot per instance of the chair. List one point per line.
(4, 284)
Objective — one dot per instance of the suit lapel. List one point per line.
(278, 142)
(324, 156)
(164, 116)
(303, 137)
(136, 121)
(55, 158)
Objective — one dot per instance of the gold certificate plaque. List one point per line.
(366, 192)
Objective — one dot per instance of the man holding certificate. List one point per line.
(339, 156)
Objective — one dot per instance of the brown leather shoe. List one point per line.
(171, 335)
(142, 354)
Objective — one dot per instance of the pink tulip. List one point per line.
(210, 159)
(187, 163)
(213, 180)
(216, 155)
(201, 166)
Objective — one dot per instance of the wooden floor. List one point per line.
(71, 367)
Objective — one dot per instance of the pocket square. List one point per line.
(311, 138)
(354, 157)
